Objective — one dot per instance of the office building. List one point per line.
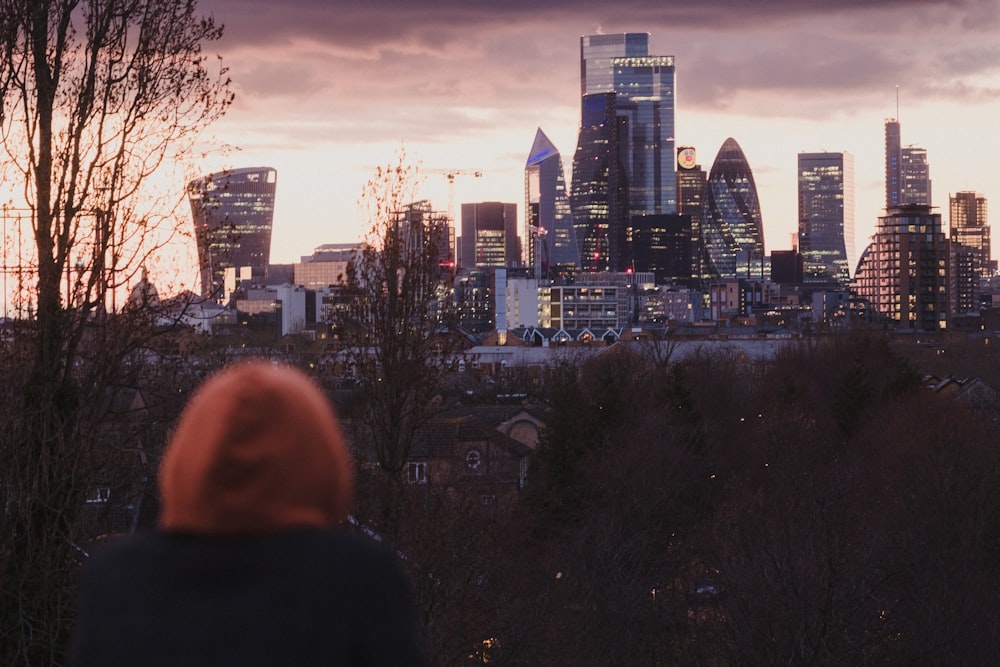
(893, 158)
(489, 236)
(969, 233)
(599, 191)
(906, 269)
(233, 213)
(549, 235)
(907, 171)
(691, 181)
(644, 87)
(733, 232)
(915, 174)
(826, 216)
(326, 267)
(662, 246)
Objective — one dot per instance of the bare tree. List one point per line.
(97, 96)
(396, 341)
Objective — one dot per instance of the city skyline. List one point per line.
(465, 87)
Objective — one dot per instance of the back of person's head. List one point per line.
(257, 450)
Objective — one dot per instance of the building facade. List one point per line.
(599, 190)
(549, 234)
(826, 216)
(906, 269)
(489, 236)
(733, 232)
(233, 213)
(642, 86)
(971, 260)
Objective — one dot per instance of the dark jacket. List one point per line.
(306, 597)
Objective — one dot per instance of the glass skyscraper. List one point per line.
(599, 188)
(548, 222)
(907, 171)
(826, 216)
(233, 212)
(733, 232)
(642, 87)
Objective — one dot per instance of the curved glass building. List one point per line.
(733, 232)
(233, 214)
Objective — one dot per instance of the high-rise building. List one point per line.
(893, 159)
(597, 72)
(826, 216)
(489, 236)
(420, 225)
(599, 188)
(970, 249)
(549, 236)
(662, 246)
(643, 88)
(691, 181)
(907, 269)
(733, 232)
(907, 171)
(233, 212)
(915, 173)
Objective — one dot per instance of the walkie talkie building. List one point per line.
(233, 213)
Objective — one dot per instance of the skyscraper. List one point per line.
(908, 263)
(733, 232)
(691, 182)
(970, 249)
(597, 72)
(907, 171)
(619, 76)
(826, 216)
(915, 176)
(233, 212)
(599, 188)
(489, 236)
(549, 235)
(893, 158)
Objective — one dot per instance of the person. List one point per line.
(250, 563)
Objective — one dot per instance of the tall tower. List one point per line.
(908, 262)
(549, 236)
(599, 189)
(733, 232)
(639, 89)
(826, 216)
(915, 176)
(489, 236)
(907, 171)
(970, 249)
(893, 160)
(233, 213)
(597, 53)
(691, 181)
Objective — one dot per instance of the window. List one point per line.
(416, 472)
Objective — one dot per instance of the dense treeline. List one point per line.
(821, 508)
(824, 509)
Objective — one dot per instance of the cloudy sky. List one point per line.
(327, 90)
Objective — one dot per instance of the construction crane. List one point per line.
(450, 174)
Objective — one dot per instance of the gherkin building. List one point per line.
(733, 234)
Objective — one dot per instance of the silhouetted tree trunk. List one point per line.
(96, 96)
